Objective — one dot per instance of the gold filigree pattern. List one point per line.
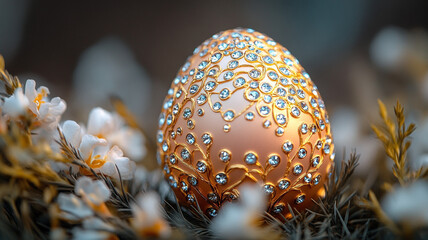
(242, 109)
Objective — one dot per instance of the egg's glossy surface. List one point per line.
(242, 109)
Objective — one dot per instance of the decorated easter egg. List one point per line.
(243, 110)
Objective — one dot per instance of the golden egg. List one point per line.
(243, 110)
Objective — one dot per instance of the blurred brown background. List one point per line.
(84, 49)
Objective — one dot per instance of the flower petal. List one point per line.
(72, 133)
(17, 104)
(89, 142)
(100, 122)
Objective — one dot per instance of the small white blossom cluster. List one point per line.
(101, 145)
(88, 205)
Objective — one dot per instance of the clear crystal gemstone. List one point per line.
(274, 160)
(281, 119)
(202, 65)
(269, 189)
(200, 112)
(300, 199)
(201, 166)
(165, 146)
(169, 119)
(233, 64)
(304, 128)
(201, 99)
(212, 72)
(253, 95)
(226, 128)
(193, 89)
(254, 73)
(278, 208)
(300, 94)
(313, 102)
(172, 182)
(308, 178)
(190, 124)
(266, 87)
(217, 106)
(228, 75)
(304, 106)
(281, 92)
(223, 46)
(285, 71)
(221, 178)
(175, 109)
(280, 103)
(184, 186)
(317, 180)
(210, 85)
(172, 159)
(185, 154)
(224, 93)
(283, 184)
(191, 72)
(298, 169)
(321, 123)
(203, 52)
(239, 82)
(192, 180)
(295, 111)
(199, 75)
(326, 149)
(190, 198)
(187, 113)
(236, 54)
(190, 139)
(272, 75)
(279, 131)
(302, 153)
(224, 155)
(250, 158)
(284, 81)
(288, 61)
(268, 60)
(240, 45)
(228, 115)
(266, 123)
(259, 44)
(159, 136)
(264, 110)
(161, 119)
(249, 116)
(185, 66)
(212, 212)
(212, 197)
(216, 57)
(251, 57)
(287, 146)
(321, 103)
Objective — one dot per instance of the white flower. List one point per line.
(97, 153)
(93, 228)
(48, 113)
(15, 105)
(84, 234)
(239, 220)
(111, 127)
(94, 191)
(148, 217)
(408, 204)
(72, 207)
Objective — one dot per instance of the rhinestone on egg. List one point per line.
(216, 57)
(268, 60)
(283, 184)
(308, 178)
(298, 169)
(264, 110)
(224, 94)
(267, 98)
(281, 119)
(224, 155)
(187, 113)
(202, 65)
(172, 158)
(300, 199)
(206, 138)
(212, 72)
(210, 85)
(190, 198)
(212, 197)
(201, 166)
(304, 106)
(212, 212)
(190, 124)
(200, 112)
(192, 180)
(217, 106)
(253, 95)
(265, 87)
(279, 131)
(228, 115)
(274, 160)
(239, 82)
(295, 111)
(287, 146)
(250, 158)
(326, 149)
(233, 64)
(228, 75)
(184, 186)
(254, 73)
(280, 103)
(304, 128)
(285, 71)
(281, 92)
(236, 54)
(221, 178)
(272, 75)
(316, 180)
(190, 139)
(201, 99)
(169, 119)
(315, 161)
(165, 146)
(302, 153)
(278, 208)
(199, 75)
(266, 123)
(251, 57)
(269, 188)
(226, 128)
(185, 155)
(249, 116)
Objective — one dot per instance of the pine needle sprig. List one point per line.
(394, 139)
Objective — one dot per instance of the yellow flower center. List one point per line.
(39, 98)
(96, 161)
